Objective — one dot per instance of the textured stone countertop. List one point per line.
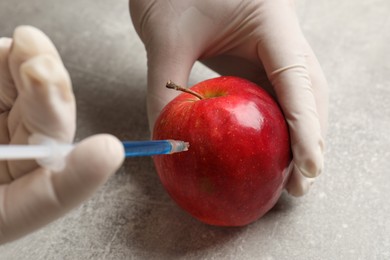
(346, 215)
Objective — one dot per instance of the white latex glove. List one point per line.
(254, 39)
(36, 97)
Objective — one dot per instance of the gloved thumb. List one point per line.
(300, 87)
(173, 63)
(41, 196)
(89, 165)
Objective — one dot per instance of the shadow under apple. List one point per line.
(159, 226)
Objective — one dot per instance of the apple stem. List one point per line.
(174, 86)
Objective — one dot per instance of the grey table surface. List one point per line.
(346, 215)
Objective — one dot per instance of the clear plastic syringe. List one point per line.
(50, 154)
(132, 149)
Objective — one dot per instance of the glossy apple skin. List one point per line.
(237, 164)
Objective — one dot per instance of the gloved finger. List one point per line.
(7, 99)
(8, 91)
(28, 42)
(46, 106)
(293, 89)
(174, 35)
(298, 184)
(47, 100)
(284, 53)
(172, 63)
(40, 197)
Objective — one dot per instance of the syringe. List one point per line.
(50, 154)
(132, 149)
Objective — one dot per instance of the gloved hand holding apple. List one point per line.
(259, 40)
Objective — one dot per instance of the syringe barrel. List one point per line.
(149, 148)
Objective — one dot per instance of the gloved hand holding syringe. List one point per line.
(43, 174)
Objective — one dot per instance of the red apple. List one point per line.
(237, 164)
